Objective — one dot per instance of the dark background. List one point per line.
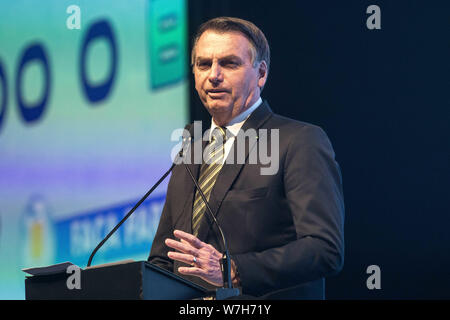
(382, 96)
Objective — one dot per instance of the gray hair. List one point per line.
(259, 46)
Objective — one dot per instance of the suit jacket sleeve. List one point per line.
(313, 189)
(158, 253)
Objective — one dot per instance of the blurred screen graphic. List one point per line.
(86, 116)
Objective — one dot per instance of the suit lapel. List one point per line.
(230, 172)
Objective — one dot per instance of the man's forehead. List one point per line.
(222, 34)
(222, 44)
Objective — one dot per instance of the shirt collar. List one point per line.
(237, 122)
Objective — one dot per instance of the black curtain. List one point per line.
(382, 96)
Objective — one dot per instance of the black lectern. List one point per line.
(138, 280)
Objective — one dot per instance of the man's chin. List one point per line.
(218, 106)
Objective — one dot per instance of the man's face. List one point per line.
(225, 79)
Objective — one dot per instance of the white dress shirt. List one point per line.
(234, 126)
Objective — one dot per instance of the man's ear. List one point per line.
(262, 71)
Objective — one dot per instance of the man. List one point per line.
(285, 229)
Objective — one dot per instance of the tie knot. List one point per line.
(219, 134)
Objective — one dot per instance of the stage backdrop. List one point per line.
(89, 96)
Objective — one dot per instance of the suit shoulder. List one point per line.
(292, 127)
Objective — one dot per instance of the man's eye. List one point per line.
(203, 65)
(231, 64)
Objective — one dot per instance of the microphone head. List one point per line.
(188, 132)
(189, 128)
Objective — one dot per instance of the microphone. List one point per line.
(227, 291)
(136, 205)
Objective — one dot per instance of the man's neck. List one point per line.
(239, 117)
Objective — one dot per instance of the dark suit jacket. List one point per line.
(284, 231)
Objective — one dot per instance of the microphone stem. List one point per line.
(129, 214)
(226, 256)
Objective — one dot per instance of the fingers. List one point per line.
(182, 247)
(214, 278)
(188, 244)
(186, 258)
(203, 257)
(192, 271)
(189, 238)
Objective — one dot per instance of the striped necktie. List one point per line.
(209, 171)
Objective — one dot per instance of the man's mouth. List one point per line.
(216, 90)
(216, 93)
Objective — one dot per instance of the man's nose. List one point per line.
(215, 74)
